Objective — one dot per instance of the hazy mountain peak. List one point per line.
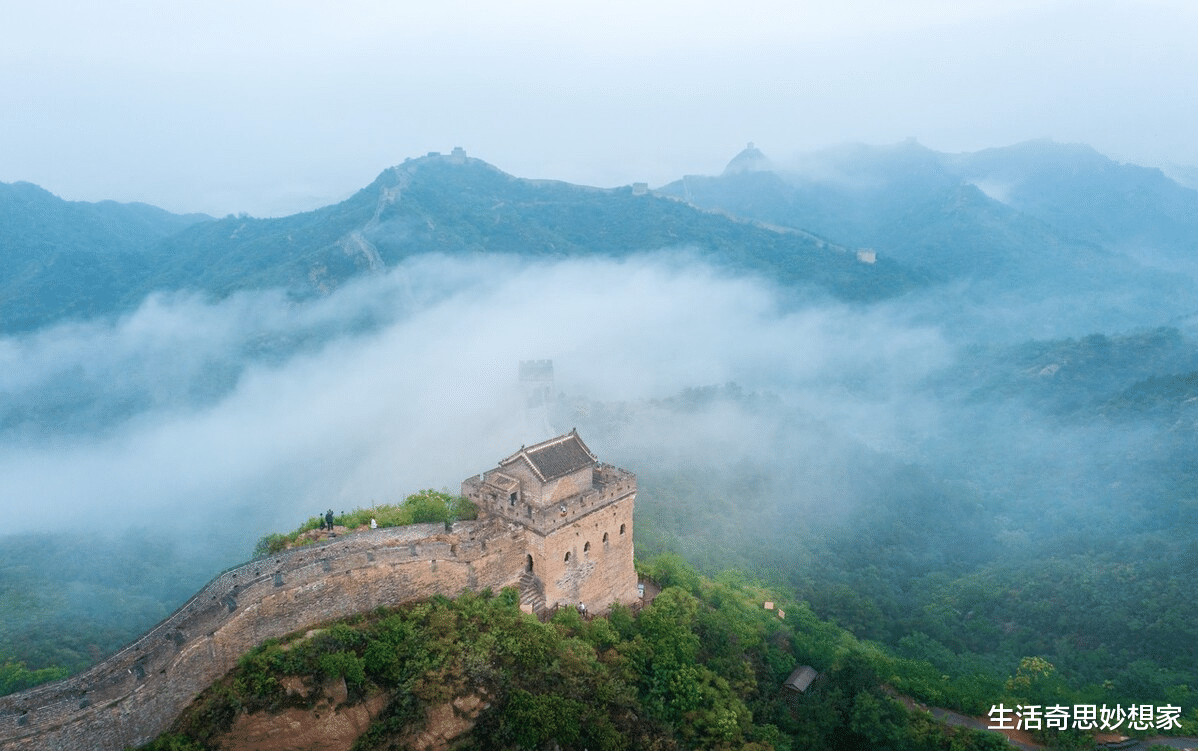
(1185, 175)
(870, 166)
(749, 160)
(435, 159)
(1039, 156)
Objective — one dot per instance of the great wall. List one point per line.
(553, 521)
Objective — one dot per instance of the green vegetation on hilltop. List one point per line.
(14, 676)
(423, 507)
(701, 667)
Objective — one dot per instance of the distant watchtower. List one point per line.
(536, 386)
(576, 514)
(749, 160)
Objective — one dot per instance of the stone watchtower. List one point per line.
(575, 514)
(536, 383)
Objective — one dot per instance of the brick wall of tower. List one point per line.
(590, 560)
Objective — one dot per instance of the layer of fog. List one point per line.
(194, 427)
(211, 423)
(256, 413)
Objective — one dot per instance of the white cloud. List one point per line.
(424, 397)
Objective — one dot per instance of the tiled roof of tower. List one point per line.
(556, 457)
(801, 678)
(500, 480)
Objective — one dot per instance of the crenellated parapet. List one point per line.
(608, 485)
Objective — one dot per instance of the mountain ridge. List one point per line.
(1018, 226)
(451, 205)
(69, 259)
(1038, 220)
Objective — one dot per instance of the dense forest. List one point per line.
(1069, 538)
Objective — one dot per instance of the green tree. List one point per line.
(533, 720)
(14, 676)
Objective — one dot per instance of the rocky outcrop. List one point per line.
(328, 725)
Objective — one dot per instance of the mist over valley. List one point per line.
(973, 443)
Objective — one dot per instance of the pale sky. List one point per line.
(276, 107)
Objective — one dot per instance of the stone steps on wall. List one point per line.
(532, 593)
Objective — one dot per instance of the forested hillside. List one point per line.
(701, 667)
(69, 259)
(439, 205)
(81, 260)
(1052, 513)
(1039, 239)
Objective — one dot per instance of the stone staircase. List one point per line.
(532, 593)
